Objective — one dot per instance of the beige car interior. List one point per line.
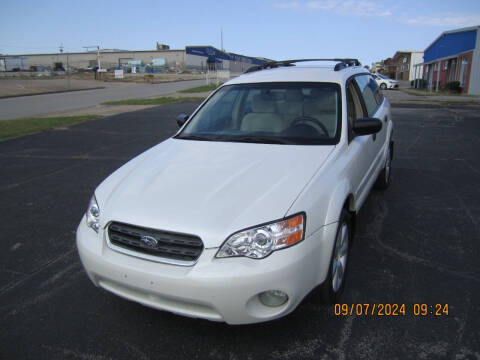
(264, 116)
(276, 113)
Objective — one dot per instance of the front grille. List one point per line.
(162, 244)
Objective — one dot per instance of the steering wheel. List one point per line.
(310, 121)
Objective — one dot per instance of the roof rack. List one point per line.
(342, 64)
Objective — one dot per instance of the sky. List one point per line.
(369, 30)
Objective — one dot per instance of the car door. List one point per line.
(360, 150)
(375, 107)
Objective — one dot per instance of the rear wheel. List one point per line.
(333, 286)
(383, 86)
(385, 176)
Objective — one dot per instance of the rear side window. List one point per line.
(376, 90)
(368, 87)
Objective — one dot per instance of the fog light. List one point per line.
(273, 298)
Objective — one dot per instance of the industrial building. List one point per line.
(201, 58)
(454, 56)
(208, 57)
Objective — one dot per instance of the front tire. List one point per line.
(332, 288)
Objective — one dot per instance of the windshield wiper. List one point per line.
(246, 139)
(197, 137)
(259, 139)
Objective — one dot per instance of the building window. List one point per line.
(463, 71)
(404, 60)
(452, 74)
(445, 65)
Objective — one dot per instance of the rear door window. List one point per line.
(376, 90)
(368, 87)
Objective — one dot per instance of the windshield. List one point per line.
(275, 113)
(382, 76)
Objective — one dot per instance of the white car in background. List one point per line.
(252, 204)
(385, 82)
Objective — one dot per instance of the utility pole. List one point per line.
(98, 58)
(98, 53)
(221, 38)
(68, 73)
(61, 48)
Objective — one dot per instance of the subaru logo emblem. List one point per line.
(149, 241)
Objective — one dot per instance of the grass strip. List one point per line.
(203, 88)
(460, 103)
(423, 92)
(19, 127)
(440, 102)
(153, 101)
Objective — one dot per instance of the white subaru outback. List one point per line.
(252, 204)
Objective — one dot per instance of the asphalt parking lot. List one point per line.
(418, 242)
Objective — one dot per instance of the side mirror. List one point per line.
(367, 126)
(181, 118)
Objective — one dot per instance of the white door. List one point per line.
(360, 150)
(375, 108)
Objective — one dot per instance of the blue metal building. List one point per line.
(454, 56)
(210, 58)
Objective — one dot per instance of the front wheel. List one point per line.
(333, 286)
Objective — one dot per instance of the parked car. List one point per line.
(252, 203)
(385, 82)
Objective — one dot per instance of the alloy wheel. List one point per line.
(388, 166)
(339, 263)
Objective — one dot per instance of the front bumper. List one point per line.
(393, 86)
(214, 289)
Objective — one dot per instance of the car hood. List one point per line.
(209, 189)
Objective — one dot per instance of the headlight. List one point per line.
(260, 241)
(93, 214)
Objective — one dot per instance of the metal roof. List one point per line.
(470, 28)
(408, 51)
